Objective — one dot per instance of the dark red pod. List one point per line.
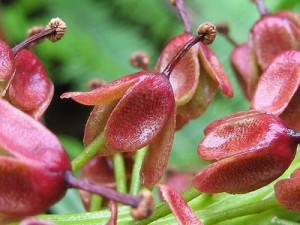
(30, 90)
(197, 77)
(251, 149)
(182, 212)
(33, 165)
(278, 89)
(7, 66)
(269, 37)
(287, 191)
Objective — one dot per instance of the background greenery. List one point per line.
(102, 35)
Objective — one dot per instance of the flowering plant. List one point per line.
(246, 166)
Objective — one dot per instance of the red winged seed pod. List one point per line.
(183, 213)
(278, 89)
(30, 90)
(138, 110)
(287, 191)
(250, 149)
(270, 36)
(23, 79)
(196, 78)
(133, 111)
(33, 165)
(7, 66)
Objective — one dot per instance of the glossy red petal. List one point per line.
(231, 118)
(28, 188)
(183, 213)
(278, 83)
(157, 156)
(213, 67)
(291, 114)
(106, 93)
(30, 88)
(6, 62)
(204, 95)
(141, 114)
(290, 15)
(271, 36)
(242, 135)
(247, 172)
(245, 68)
(184, 78)
(287, 192)
(34, 142)
(97, 121)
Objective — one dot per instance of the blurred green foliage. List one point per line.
(103, 34)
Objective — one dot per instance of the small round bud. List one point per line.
(139, 59)
(60, 26)
(173, 2)
(223, 28)
(95, 83)
(146, 206)
(209, 32)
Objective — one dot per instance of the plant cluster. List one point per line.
(129, 134)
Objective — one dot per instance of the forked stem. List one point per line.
(206, 34)
(183, 15)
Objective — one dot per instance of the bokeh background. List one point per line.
(101, 36)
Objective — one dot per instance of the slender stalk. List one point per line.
(88, 153)
(183, 15)
(135, 184)
(32, 39)
(261, 7)
(120, 172)
(179, 55)
(106, 192)
(235, 212)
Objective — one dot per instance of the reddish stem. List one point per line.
(175, 60)
(106, 192)
(294, 134)
(183, 15)
(261, 7)
(32, 39)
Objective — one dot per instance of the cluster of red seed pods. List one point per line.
(248, 149)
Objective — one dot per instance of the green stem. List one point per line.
(135, 184)
(235, 212)
(120, 172)
(88, 153)
(164, 209)
(278, 221)
(96, 202)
